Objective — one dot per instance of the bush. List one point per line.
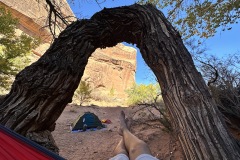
(112, 92)
(142, 93)
(223, 79)
(150, 97)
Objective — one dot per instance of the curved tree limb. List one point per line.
(41, 91)
(215, 73)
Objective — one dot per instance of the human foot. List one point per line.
(123, 123)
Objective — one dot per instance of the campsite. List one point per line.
(60, 73)
(99, 144)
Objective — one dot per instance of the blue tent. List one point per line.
(86, 121)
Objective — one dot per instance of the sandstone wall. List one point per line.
(112, 68)
(32, 15)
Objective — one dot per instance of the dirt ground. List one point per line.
(99, 145)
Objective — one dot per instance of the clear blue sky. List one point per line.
(222, 43)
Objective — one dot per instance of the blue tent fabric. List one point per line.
(87, 121)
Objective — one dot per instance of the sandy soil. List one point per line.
(99, 145)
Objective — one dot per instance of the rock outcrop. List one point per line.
(110, 71)
(33, 16)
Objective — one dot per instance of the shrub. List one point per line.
(112, 92)
(142, 93)
(150, 97)
(223, 79)
(222, 75)
(83, 92)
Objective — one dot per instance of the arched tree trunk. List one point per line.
(42, 90)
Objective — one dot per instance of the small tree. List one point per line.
(112, 92)
(83, 92)
(14, 50)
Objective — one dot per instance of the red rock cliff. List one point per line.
(112, 68)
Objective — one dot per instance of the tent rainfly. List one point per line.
(86, 121)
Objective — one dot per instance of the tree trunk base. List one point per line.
(45, 139)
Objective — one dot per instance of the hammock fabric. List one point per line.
(17, 147)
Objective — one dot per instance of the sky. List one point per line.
(227, 42)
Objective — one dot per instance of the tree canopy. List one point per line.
(200, 18)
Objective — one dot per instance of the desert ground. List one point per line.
(100, 144)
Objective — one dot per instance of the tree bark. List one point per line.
(42, 90)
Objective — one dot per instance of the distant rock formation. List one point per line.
(32, 15)
(112, 68)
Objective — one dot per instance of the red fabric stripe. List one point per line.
(12, 148)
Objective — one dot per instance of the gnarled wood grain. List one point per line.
(42, 90)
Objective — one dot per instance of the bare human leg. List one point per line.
(134, 146)
(120, 148)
